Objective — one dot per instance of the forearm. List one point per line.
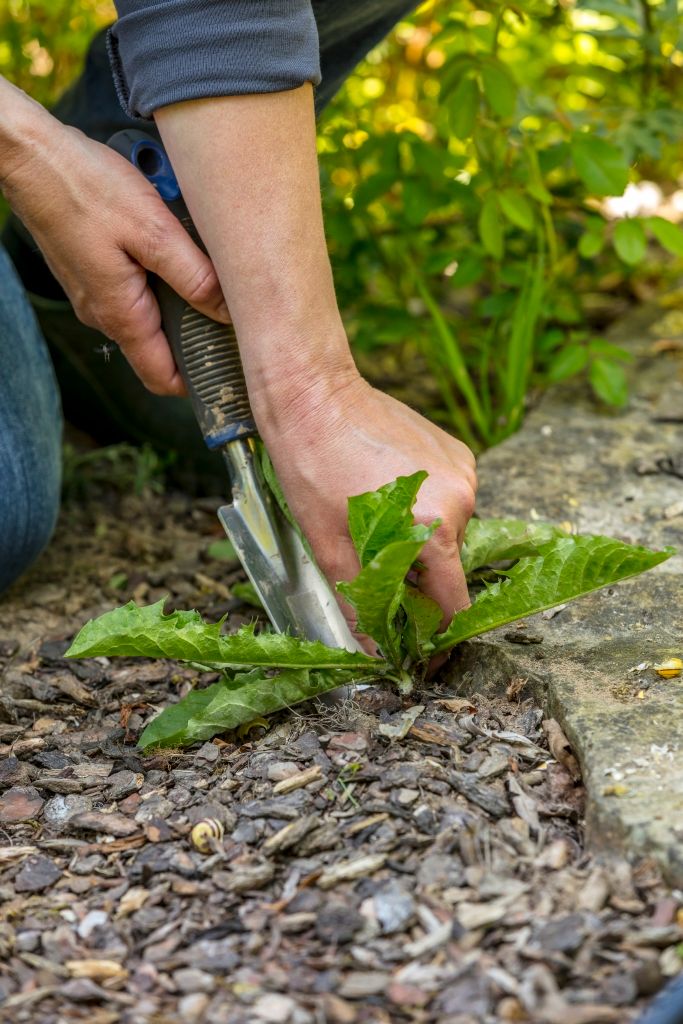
(248, 169)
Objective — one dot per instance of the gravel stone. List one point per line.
(394, 907)
(37, 873)
(60, 809)
(20, 803)
(338, 923)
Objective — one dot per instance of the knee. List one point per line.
(29, 504)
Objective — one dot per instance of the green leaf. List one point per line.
(491, 227)
(233, 702)
(600, 165)
(470, 270)
(462, 108)
(566, 568)
(567, 363)
(184, 636)
(601, 347)
(380, 517)
(629, 241)
(539, 192)
(378, 589)
(517, 208)
(418, 200)
(500, 88)
(423, 617)
(609, 382)
(222, 551)
(271, 479)
(497, 540)
(591, 244)
(669, 236)
(246, 592)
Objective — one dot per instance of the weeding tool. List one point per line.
(291, 587)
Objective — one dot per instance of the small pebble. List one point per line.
(274, 1008)
(192, 1007)
(192, 979)
(91, 922)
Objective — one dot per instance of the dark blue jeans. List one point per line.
(102, 396)
(30, 431)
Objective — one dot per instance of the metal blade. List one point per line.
(291, 587)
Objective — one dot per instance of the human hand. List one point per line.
(101, 226)
(326, 447)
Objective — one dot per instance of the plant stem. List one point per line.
(648, 38)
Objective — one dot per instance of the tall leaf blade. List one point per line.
(567, 568)
(184, 636)
(377, 590)
(233, 702)
(497, 540)
(381, 517)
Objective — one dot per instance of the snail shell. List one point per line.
(206, 834)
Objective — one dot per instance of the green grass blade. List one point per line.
(520, 348)
(453, 357)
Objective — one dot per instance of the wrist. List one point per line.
(300, 383)
(24, 128)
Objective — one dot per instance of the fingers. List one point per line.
(167, 250)
(443, 578)
(146, 348)
(133, 320)
(444, 581)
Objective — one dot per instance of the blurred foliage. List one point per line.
(465, 167)
(43, 42)
(116, 468)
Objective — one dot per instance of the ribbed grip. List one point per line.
(205, 351)
(214, 368)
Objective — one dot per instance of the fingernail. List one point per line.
(224, 313)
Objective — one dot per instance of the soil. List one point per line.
(350, 874)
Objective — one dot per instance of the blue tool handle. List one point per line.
(205, 351)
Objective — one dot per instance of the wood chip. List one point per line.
(72, 687)
(98, 970)
(12, 854)
(291, 834)
(457, 704)
(560, 748)
(304, 778)
(473, 916)
(132, 901)
(110, 824)
(432, 732)
(348, 870)
(360, 826)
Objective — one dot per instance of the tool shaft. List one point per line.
(289, 583)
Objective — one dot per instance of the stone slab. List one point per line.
(574, 462)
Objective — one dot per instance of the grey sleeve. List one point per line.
(167, 51)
